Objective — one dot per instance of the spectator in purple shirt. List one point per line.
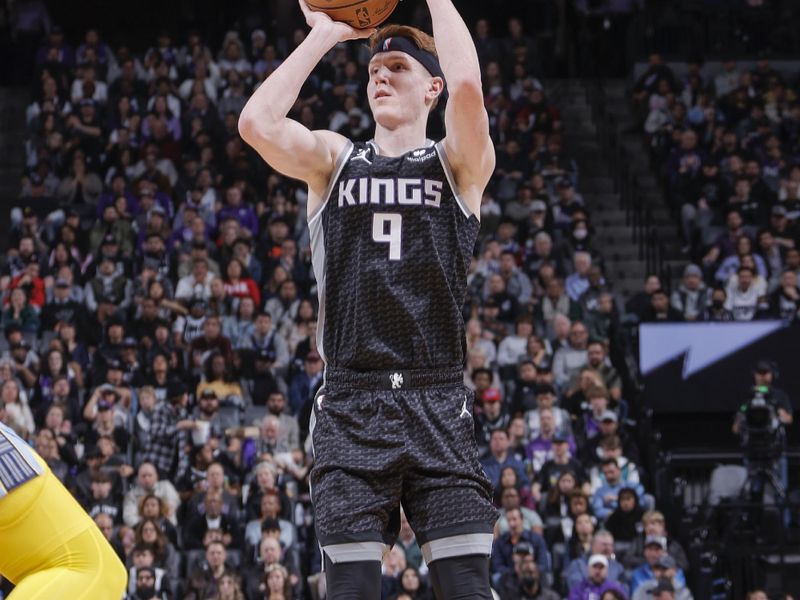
(596, 583)
(234, 207)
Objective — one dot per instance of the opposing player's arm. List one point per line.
(468, 145)
(285, 144)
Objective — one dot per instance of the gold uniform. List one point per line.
(49, 547)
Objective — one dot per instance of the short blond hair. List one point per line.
(420, 39)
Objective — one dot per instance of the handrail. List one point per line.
(638, 215)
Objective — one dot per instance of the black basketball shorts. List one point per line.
(385, 438)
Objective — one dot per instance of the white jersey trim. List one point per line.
(451, 180)
(341, 161)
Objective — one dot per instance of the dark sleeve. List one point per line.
(782, 400)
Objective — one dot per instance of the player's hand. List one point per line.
(342, 31)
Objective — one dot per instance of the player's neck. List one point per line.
(398, 141)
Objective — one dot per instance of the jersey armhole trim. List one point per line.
(341, 161)
(451, 180)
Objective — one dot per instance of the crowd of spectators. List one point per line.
(159, 316)
(727, 146)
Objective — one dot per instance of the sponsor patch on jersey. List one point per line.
(421, 155)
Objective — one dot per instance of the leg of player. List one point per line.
(461, 578)
(49, 547)
(353, 571)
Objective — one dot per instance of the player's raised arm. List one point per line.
(467, 143)
(284, 143)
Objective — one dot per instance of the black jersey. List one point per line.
(391, 245)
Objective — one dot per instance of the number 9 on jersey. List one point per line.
(387, 229)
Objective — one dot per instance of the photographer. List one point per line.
(761, 423)
(764, 374)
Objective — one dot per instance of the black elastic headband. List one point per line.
(403, 44)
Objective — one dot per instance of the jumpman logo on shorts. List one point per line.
(464, 411)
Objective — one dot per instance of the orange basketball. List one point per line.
(359, 14)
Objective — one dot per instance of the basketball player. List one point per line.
(50, 549)
(393, 224)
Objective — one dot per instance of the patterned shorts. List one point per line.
(385, 438)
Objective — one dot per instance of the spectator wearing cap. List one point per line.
(596, 581)
(561, 461)
(492, 415)
(655, 548)
(546, 400)
(109, 285)
(168, 433)
(525, 582)
(665, 583)
(692, 296)
(62, 308)
(570, 358)
(517, 540)
(499, 456)
(654, 524)
(578, 569)
(609, 426)
(568, 202)
(605, 496)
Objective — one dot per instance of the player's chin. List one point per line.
(385, 114)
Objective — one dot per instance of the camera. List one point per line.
(761, 433)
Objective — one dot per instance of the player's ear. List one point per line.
(435, 88)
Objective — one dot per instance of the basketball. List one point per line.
(359, 14)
